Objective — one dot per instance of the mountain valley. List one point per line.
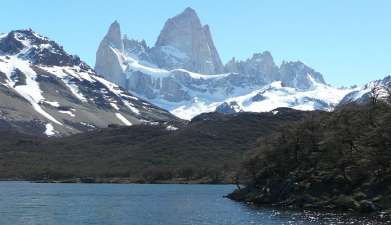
(174, 112)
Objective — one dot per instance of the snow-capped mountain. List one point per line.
(185, 43)
(183, 73)
(362, 95)
(43, 89)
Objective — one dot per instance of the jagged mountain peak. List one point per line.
(264, 54)
(184, 43)
(362, 95)
(37, 49)
(183, 73)
(135, 48)
(386, 82)
(256, 57)
(189, 11)
(299, 75)
(43, 89)
(296, 63)
(260, 68)
(114, 36)
(186, 22)
(262, 58)
(189, 14)
(26, 34)
(115, 23)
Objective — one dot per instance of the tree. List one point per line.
(187, 172)
(252, 165)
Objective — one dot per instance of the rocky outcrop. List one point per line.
(260, 67)
(228, 108)
(298, 75)
(50, 53)
(113, 36)
(313, 193)
(185, 43)
(184, 70)
(137, 49)
(108, 62)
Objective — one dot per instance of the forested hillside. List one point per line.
(339, 160)
(207, 150)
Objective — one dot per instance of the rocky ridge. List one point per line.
(161, 74)
(44, 90)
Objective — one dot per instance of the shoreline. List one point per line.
(116, 181)
(379, 216)
(249, 197)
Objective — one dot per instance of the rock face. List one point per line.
(228, 108)
(44, 90)
(183, 73)
(260, 67)
(299, 75)
(37, 49)
(185, 43)
(137, 49)
(107, 61)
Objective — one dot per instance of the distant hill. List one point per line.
(209, 148)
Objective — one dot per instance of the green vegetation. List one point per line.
(338, 161)
(208, 150)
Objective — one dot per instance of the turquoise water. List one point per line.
(23, 203)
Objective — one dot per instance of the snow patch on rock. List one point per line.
(123, 119)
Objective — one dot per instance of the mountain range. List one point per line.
(44, 90)
(183, 73)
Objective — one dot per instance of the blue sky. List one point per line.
(349, 41)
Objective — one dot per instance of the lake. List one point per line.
(23, 203)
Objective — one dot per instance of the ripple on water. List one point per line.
(102, 204)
